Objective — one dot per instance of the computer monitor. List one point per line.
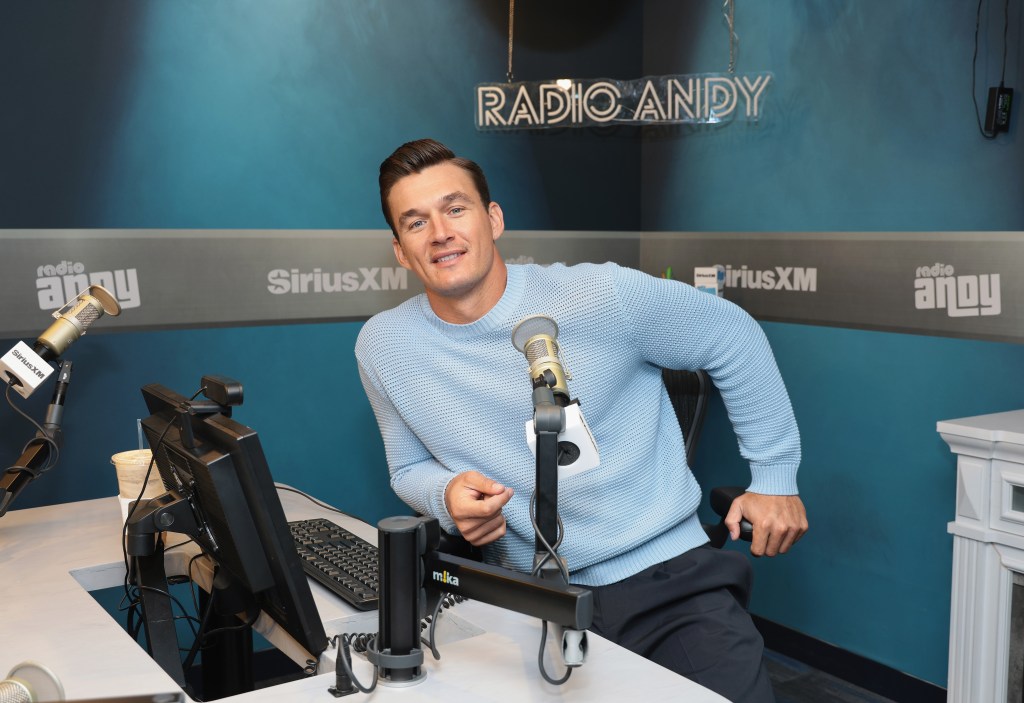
(221, 493)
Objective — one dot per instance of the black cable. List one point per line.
(235, 628)
(447, 600)
(552, 550)
(1006, 28)
(131, 591)
(552, 553)
(41, 438)
(314, 501)
(138, 500)
(540, 659)
(430, 623)
(360, 641)
(344, 661)
(974, 71)
(197, 637)
(182, 544)
(188, 618)
(974, 62)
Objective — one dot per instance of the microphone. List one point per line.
(26, 369)
(29, 682)
(536, 336)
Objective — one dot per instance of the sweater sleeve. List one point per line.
(676, 326)
(416, 476)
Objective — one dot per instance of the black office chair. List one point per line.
(689, 392)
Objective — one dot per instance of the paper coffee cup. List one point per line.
(131, 469)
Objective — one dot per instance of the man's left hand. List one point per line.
(778, 521)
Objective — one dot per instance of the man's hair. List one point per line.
(414, 157)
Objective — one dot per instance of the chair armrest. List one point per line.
(721, 501)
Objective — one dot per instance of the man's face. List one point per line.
(446, 235)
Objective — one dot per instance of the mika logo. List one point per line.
(281, 281)
(445, 578)
(936, 287)
(56, 284)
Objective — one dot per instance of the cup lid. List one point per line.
(133, 456)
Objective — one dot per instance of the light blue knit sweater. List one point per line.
(453, 398)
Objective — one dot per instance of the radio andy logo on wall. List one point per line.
(56, 284)
(937, 287)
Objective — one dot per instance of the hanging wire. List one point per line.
(511, 26)
(1006, 28)
(729, 12)
(974, 63)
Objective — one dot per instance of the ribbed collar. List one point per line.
(502, 311)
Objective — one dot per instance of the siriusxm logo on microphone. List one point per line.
(281, 281)
(28, 364)
(936, 287)
(56, 284)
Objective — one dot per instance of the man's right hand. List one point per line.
(475, 502)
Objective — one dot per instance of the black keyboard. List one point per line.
(344, 563)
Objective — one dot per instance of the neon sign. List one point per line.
(708, 98)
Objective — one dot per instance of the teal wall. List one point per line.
(276, 114)
(870, 127)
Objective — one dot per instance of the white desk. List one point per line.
(51, 557)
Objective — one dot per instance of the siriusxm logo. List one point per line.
(794, 278)
(936, 287)
(281, 281)
(445, 578)
(28, 364)
(56, 284)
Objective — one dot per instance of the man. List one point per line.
(451, 395)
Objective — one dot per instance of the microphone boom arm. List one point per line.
(548, 424)
(41, 452)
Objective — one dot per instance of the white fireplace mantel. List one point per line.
(988, 551)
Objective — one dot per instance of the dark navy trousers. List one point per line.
(689, 615)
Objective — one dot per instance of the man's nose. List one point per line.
(439, 231)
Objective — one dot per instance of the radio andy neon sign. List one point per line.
(567, 102)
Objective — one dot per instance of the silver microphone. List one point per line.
(74, 319)
(26, 368)
(536, 337)
(29, 682)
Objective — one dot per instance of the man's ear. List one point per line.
(399, 253)
(497, 218)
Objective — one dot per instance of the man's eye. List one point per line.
(416, 224)
(457, 210)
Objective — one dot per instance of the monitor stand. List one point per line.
(227, 659)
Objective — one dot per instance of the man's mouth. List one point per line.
(445, 258)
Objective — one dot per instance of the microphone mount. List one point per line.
(414, 572)
(42, 451)
(548, 425)
(535, 336)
